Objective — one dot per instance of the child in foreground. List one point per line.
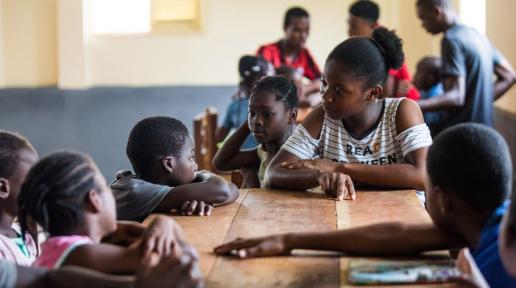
(67, 196)
(161, 152)
(469, 178)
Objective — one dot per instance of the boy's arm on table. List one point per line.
(207, 189)
(384, 239)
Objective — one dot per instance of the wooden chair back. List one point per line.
(205, 125)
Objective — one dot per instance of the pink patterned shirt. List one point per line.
(17, 251)
(56, 249)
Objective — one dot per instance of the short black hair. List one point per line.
(434, 3)
(10, 144)
(433, 65)
(153, 138)
(54, 190)
(284, 89)
(370, 57)
(286, 70)
(365, 9)
(473, 161)
(251, 68)
(293, 13)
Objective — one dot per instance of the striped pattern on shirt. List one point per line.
(382, 146)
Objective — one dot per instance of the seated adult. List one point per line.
(291, 51)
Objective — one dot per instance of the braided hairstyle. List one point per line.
(10, 144)
(284, 89)
(370, 57)
(53, 193)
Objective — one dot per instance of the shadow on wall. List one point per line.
(97, 121)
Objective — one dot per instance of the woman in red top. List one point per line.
(291, 51)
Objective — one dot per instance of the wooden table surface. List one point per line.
(259, 212)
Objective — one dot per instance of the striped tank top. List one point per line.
(381, 146)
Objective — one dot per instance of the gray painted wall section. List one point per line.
(97, 121)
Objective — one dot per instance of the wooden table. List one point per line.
(260, 212)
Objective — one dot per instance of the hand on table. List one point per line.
(194, 207)
(337, 185)
(254, 247)
(164, 238)
(181, 272)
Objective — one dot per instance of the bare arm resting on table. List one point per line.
(198, 197)
(161, 238)
(170, 272)
(385, 239)
(288, 171)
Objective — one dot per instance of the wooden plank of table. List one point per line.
(204, 233)
(376, 207)
(265, 212)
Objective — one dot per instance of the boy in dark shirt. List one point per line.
(468, 64)
(161, 152)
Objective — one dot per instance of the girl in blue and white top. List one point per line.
(355, 136)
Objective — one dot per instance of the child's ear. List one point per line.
(94, 201)
(375, 92)
(293, 115)
(446, 201)
(4, 188)
(169, 163)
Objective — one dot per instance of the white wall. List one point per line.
(46, 42)
(500, 22)
(29, 42)
(231, 28)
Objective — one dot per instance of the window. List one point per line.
(473, 13)
(142, 16)
(118, 16)
(170, 15)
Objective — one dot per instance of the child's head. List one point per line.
(66, 194)
(251, 69)
(296, 26)
(363, 18)
(272, 108)
(162, 151)
(17, 156)
(433, 14)
(356, 70)
(469, 171)
(291, 73)
(428, 73)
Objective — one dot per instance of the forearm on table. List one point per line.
(299, 179)
(63, 277)
(393, 175)
(384, 239)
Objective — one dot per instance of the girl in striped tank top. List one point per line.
(356, 137)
